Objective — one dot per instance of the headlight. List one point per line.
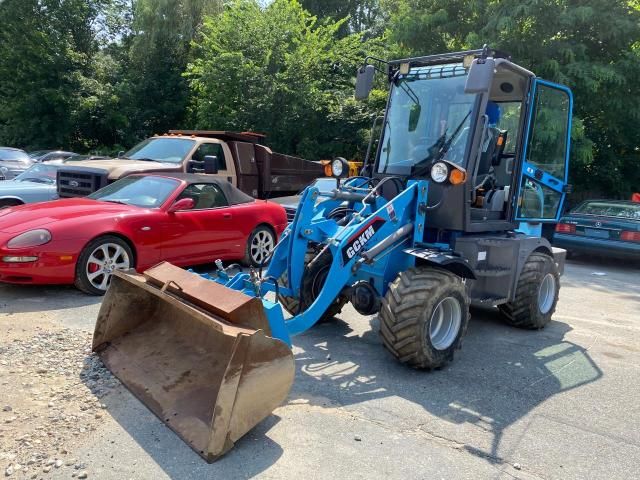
(337, 167)
(439, 172)
(32, 238)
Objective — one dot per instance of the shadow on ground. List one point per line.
(39, 298)
(499, 376)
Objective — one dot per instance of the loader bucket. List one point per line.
(195, 352)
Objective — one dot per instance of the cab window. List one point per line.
(205, 196)
(211, 149)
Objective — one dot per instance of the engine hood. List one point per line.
(12, 186)
(119, 167)
(73, 212)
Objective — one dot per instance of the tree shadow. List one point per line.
(38, 298)
(500, 375)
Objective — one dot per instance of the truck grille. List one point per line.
(291, 213)
(80, 184)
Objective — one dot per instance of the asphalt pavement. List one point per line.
(557, 403)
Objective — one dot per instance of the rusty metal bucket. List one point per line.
(196, 353)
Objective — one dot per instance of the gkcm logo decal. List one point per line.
(360, 239)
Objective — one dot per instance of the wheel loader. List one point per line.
(472, 159)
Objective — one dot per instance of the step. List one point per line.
(489, 301)
(492, 272)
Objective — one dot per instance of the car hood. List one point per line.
(292, 201)
(10, 186)
(119, 167)
(23, 218)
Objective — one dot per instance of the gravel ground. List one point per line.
(559, 403)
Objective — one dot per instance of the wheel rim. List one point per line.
(546, 293)
(445, 323)
(103, 261)
(261, 247)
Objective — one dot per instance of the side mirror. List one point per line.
(210, 164)
(182, 204)
(480, 76)
(364, 81)
(121, 154)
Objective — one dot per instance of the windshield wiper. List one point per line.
(438, 149)
(112, 201)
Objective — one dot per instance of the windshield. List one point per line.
(428, 110)
(170, 150)
(38, 153)
(39, 173)
(610, 209)
(147, 192)
(13, 155)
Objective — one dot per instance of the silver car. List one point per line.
(36, 184)
(13, 162)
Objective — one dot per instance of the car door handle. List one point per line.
(227, 216)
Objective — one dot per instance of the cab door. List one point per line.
(542, 185)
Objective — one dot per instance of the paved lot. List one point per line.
(559, 403)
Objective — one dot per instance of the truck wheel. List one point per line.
(98, 260)
(312, 281)
(424, 315)
(261, 243)
(536, 294)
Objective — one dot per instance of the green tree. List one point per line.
(363, 16)
(274, 69)
(155, 92)
(589, 45)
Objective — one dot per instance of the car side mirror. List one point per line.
(182, 204)
(210, 164)
(480, 76)
(364, 81)
(121, 154)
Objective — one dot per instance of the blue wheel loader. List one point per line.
(472, 159)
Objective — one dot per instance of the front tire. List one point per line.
(9, 203)
(424, 316)
(536, 294)
(97, 262)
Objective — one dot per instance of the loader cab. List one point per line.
(510, 137)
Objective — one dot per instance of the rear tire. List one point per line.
(536, 294)
(118, 256)
(424, 316)
(260, 245)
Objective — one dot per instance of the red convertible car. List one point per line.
(135, 222)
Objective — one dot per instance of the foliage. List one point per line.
(101, 74)
(590, 45)
(274, 69)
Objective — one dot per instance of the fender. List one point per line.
(454, 264)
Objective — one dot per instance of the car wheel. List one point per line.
(97, 262)
(261, 243)
(9, 203)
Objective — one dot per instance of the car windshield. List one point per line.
(610, 209)
(147, 192)
(427, 109)
(160, 149)
(38, 153)
(39, 173)
(13, 155)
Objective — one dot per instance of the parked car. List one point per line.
(601, 227)
(290, 203)
(51, 155)
(36, 184)
(13, 162)
(135, 222)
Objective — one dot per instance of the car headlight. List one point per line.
(439, 172)
(32, 238)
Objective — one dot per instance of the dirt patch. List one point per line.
(51, 387)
